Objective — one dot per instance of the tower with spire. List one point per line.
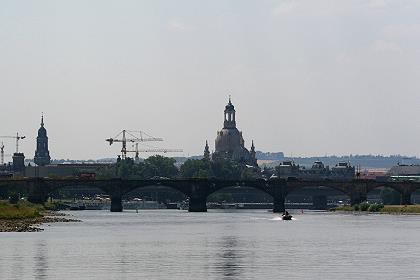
(207, 151)
(42, 154)
(253, 155)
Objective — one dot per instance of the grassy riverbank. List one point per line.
(25, 216)
(401, 209)
(21, 210)
(379, 208)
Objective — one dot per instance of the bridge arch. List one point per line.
(239, 192)
(404, 188)
(376, 186)
(415, 197)
(199, 189)
(256, 185)
(297, 187)
(318, 193)
(160, 193)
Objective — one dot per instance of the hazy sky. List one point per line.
(307, 77)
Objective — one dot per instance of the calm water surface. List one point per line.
(171, 244)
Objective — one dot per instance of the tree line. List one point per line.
(163, 167)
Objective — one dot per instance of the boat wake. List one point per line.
(273, 219)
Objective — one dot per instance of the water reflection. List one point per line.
(122, 263)
(179, 245)
(229, 259)
(17, 268)
(41, 260)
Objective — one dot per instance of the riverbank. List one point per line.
(27, 217)
(378, 208)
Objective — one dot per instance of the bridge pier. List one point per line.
(319, 202)
(197, 204)
(37, 198)
(116, 203)
(279, 204)
(38, 192)
(357, 198)
(279, 192)
(405, 198)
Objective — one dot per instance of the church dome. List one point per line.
(227, 140)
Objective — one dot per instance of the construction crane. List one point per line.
(17, 137)
(132, 138)
(2, 153)
(137, 151)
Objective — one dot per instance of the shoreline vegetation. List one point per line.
(379, 208)
(24, 216)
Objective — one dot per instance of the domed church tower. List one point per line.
(229, 141)
(230, 121)
(42, 155)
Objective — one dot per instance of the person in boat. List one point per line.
(286, 216)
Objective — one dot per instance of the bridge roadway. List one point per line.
(197, 190)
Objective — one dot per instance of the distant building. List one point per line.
(374, 173)
(18, 162)
(67, 170)
(42, 154)
(405, 170)
(229, 142)
(342, 170)
(287, 169)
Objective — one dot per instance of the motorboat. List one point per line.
(286, 216)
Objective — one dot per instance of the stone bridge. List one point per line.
(197, 190)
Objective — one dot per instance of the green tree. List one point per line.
(220, 168)
(196, 168)
(159, 166)
(153, 166)
(226, 169)
(250, 173)
(127, 169)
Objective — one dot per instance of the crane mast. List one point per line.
(2, 153)
(132, 138)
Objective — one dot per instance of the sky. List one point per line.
(306, 77)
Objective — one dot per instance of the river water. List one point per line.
(240, 244)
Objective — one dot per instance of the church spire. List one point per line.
(253, 155)
(207, 151)
(42, 119)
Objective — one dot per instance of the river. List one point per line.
(237, 244)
